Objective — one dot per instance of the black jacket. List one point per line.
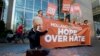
(34, 37)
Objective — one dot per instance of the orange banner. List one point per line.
(61, 34)
(51, 10)
(66, 5)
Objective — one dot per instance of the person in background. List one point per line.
(85, 22)
(19, 32)
(2, 27)
(68, 18)
(10, 36)
(98, 31)
(73, 22)
(66, 21)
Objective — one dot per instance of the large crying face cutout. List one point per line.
(38, 21)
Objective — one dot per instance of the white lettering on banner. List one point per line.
(58, 25)
(51, 10)
(48, 38)
(71, 39)
(60, 38)
(64, 34)
(65, 39)
(83, 39)
(76, 38)
(60, 31)
(66, 31)
(64, 26)
(54, 38)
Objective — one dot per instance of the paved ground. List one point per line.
(13, 49)
(9, 49)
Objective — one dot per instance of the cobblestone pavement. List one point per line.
(20, 49)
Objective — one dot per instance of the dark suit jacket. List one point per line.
(34, 37)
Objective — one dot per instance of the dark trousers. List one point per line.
(20, 37)
(34, 43)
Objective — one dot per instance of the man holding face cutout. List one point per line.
(36, 31)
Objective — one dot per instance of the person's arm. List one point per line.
(41, 33)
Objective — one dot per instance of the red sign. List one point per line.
(75, 8)
(51, 10)
(66, 5)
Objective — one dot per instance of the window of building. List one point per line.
(20, 3)
(28, 24)
(37, 6)
(28, 15)
(44, 5)
(19, 18)
(29, 4)
(29, 8)
(52, 1)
